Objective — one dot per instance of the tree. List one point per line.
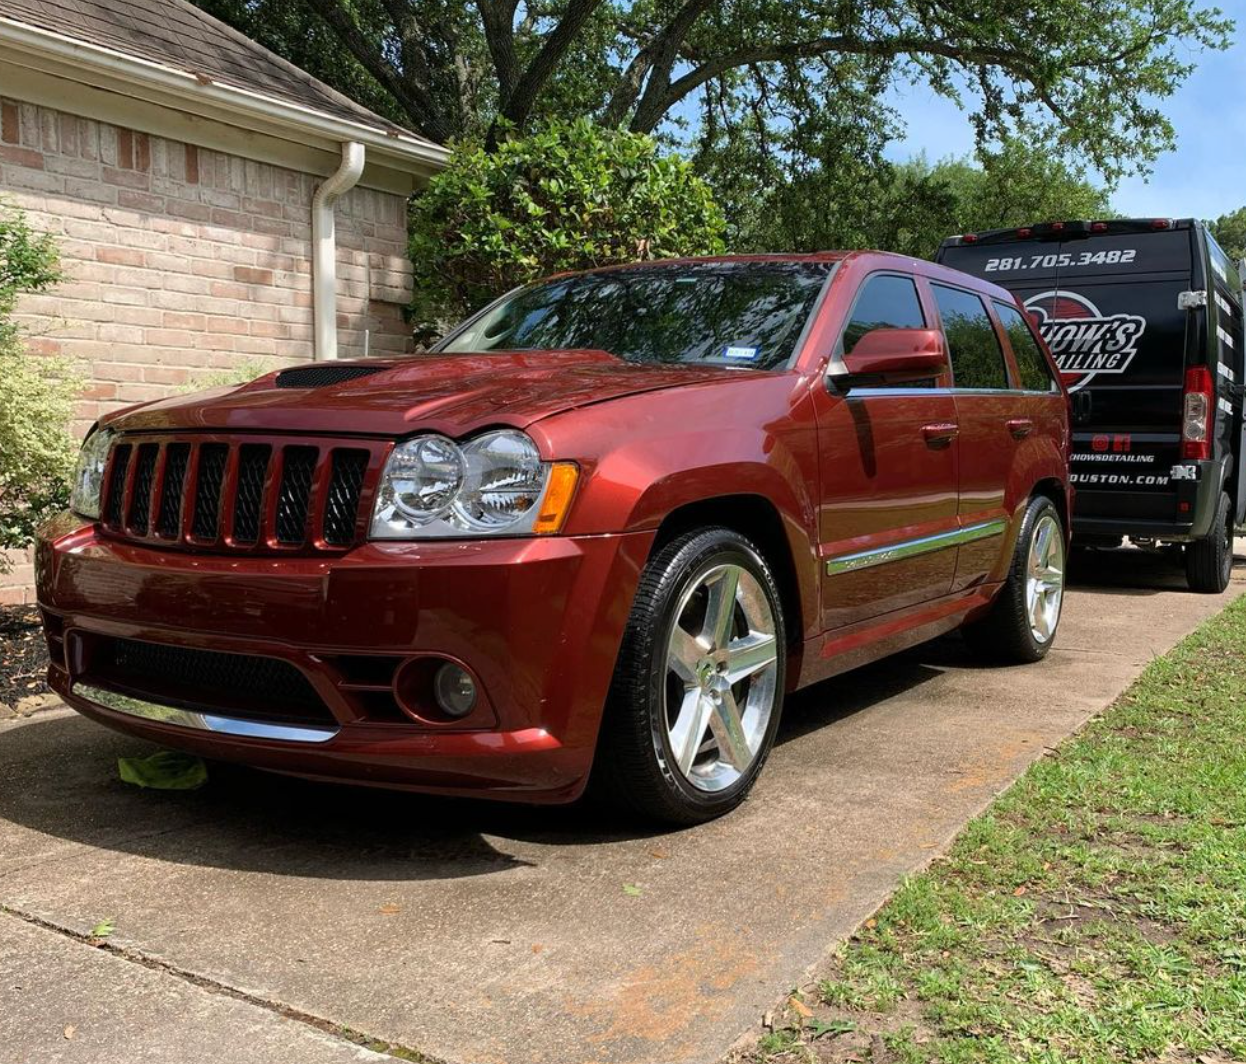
(910, 207)
(1085, 77)
(1230, 233)
(36, 393)
(568, 196)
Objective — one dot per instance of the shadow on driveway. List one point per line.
(58, 777)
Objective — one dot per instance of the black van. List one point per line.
(1144, 318)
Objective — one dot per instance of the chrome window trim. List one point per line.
(871, 392)
(911, 548)
(209, 722)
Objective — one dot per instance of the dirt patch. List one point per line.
(23, 655)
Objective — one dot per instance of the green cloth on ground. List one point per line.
(166, 770)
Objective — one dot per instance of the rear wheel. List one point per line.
(698, 688)
(1209, 561)
(1021, 625)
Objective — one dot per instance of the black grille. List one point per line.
(169, 519)
(249, 494)
(243, 685)
(212, 459)
(342, 504)
(116, 484)
(322, 376)
(295, 494)
(253, 493)
(140, 497)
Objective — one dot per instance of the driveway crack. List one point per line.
(215, 986)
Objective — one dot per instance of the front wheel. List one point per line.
(697, 691)
(1209, 561)
(1021, 625)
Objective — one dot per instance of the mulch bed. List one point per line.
(23, 654)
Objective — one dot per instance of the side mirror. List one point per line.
(895, 356)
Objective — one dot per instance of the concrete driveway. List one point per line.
(258, 917)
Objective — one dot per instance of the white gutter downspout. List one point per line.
(324, 250)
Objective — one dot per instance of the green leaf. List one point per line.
(104, 928)
(632, 891)
(820, 1028)
(165, 770)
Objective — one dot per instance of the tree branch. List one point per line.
(657, 101)
(517, 104)
(413, 97)
(498, 17)
(657, 57)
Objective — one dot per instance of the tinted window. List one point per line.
(747, 314)
(977, 358)
(1035, 373)
(885, 302)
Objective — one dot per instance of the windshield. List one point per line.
(730, 314)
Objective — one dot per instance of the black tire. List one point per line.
(1004, 633)
(1209, 561)
(634, 767)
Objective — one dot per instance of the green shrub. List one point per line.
(568, 196)
(37, 393)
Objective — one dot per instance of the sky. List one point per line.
(1203, 178)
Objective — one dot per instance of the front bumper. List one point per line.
(538, 622)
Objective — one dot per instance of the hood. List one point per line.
(451, 394)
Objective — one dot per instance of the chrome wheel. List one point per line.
(720, 685)
(1044, 584)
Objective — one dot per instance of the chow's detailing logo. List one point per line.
(1084, 342)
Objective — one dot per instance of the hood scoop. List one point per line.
(323, 376)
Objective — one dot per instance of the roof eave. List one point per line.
(221, 101)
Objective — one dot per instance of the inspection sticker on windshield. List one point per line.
(740, 352)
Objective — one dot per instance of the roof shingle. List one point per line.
(177, 34)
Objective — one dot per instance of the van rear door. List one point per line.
(1106, 302)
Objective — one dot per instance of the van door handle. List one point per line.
(1020, 427)
(941, 433)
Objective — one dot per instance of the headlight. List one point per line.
(494, 484)
(88, 484)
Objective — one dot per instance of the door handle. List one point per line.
(1020, 427)
(941, 433)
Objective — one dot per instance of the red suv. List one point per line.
(605, 525)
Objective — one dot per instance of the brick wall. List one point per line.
(183, 263)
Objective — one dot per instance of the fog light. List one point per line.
(455, 690)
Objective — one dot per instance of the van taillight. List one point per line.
(1197, 413)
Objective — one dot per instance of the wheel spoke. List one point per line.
(685, 651)
(728, 729)
(720, 609)
(1042, 620)
(689, 731)
(748, 655)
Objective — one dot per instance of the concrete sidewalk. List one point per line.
(256, 917)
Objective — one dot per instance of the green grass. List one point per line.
(1096, 913)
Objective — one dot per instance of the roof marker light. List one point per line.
(969, 238)
(1162, 223)
(1098, 227)
(1023, 233)
(1057, 227)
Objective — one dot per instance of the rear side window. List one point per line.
(973, 346)
(885, 302)
(1036, 375)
